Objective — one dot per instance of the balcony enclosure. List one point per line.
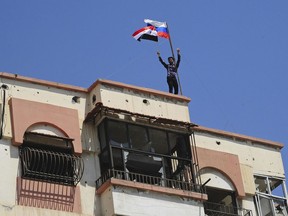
(145, 154)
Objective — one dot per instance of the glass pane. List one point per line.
(280, 206)
(172, 140)
(117, 134)
(266, 206)
(102, 137)
(180, 146)
(158, 140)
(139, 138)
(261, 184)
(118, 159)
(104, 161)
(276, 186)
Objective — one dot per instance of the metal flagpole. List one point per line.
(174, 58)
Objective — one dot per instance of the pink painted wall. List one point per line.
(227, 164)
(26, 113)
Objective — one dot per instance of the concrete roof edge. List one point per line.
(239, 136)
(42, 82)
(87, 90)
(141, 89)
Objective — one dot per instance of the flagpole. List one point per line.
(170, 41)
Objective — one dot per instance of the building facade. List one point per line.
(115, 149)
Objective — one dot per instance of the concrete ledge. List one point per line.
(158, 189)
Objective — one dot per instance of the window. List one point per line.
(220, 201)
(143, 138)
(271, 195)
(223, 202)
(145, 150)
(49, 158)
(117, 134)
(139, 138)
(159, 141)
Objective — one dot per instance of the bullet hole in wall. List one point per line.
(94, 99)
(145, 101)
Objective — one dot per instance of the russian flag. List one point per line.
(160, 27)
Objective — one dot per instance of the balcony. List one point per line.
(143, 156)
(215, 209)
(150, 168)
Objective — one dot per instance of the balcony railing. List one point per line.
(146, 179)
(215, 209)
(148, 168)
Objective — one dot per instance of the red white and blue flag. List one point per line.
(161, 27)
(152, 31)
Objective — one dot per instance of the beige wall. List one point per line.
(9, 168)
(251, 159)
(131, 100)
(261, 158)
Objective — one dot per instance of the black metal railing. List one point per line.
(215, 209)
(50, 166)
(149, 168)
(146, 179)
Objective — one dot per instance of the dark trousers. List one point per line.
(172, 83)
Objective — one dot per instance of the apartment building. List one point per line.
(114, 149)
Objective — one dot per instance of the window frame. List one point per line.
(268, 195)
(104, 122)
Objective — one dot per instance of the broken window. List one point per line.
(138, 137)
(117, 134)
(159, 140)
(142, 149)
(49, 158)
(271, 196)
(261, 184)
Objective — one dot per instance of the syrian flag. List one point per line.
(147, 33)
(152, 31)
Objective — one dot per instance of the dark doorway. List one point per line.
(220, 201)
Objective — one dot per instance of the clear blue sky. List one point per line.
(234, 53)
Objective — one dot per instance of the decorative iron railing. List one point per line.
(215, 209)
(50, 166)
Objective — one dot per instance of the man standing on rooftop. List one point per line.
(171, 71)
